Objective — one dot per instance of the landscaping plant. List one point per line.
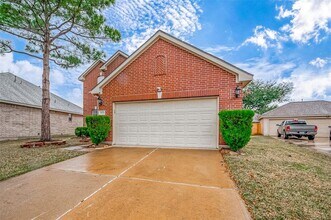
(98, 127)
(82, 131)
(236, 127)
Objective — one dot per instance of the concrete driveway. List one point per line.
(322, 145)
(126, 183)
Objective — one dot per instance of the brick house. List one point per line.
(20, 110)
(167, 93)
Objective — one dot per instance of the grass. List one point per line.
(282, 181)
(15, 160)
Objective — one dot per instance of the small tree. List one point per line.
(82, 132)
(236, 127)
(64, 32)
(98, 127)
(261, 96)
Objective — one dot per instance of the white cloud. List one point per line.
(265, 70)
(218, 49)
(318, 62)
(309, 19)
(265, 38)
(140, 19)
(23, 68)
(309, 83)
(283, 13)
(28, 71)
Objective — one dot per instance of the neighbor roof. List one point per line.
(300, 109)
(17, 91)
(242, 76)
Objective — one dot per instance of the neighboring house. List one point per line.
(314, 112)
(20, 110)
(167, 93)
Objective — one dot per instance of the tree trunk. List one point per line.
(45, 114)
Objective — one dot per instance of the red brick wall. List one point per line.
(114, 64)
(186, 75)
(89, 101)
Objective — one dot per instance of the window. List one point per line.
(160, 65)
(70, 118)
(295, 122)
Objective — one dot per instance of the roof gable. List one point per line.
(112, 58)
(241, 75)
(82, 76)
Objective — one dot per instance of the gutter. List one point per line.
(294, 116)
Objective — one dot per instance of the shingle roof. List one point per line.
(301, 109)
(256, 117)
(16, 90)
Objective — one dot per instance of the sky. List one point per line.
(282, 41)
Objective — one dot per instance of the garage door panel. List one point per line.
(143, 117)
(167, 128)
(181, 123)
(206, 128)
(207, 116)
(179, 128)
(144, 138)
(180, 116)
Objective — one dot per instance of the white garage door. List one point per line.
(177, 123)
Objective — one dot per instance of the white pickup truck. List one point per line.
(297, 128)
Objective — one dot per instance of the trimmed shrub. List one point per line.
(98, 127)
(81, 131)
(236, 127)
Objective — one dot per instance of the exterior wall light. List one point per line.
(159, 92)
(100, 102)
(237, 91)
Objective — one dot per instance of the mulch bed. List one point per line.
(32, 144)
(85, 140)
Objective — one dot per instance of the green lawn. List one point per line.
(15, 160)
(282, 181)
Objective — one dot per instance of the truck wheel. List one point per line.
(285, 136)
(311, 138)
(278, 135)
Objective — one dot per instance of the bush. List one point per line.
(98, 127)
(236, 127)
(81, 131)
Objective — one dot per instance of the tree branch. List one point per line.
(20, 36)
(65, 31)
(85, 36)
(10, 49)
(56, 8)
(35, 14)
